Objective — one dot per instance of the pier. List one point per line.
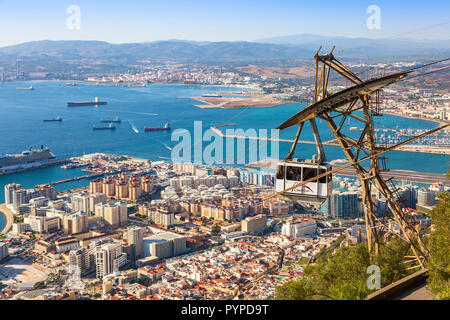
(83, 177)
(87, 176)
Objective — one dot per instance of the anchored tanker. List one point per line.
(165, 128)
(116, 120)
(96, 102)
(58, 118)
(108, 127)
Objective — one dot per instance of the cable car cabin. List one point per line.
(292, 172)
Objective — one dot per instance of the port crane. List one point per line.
(309, 180)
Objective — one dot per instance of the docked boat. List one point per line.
(96, 102)
(31, 158)
(165, 128)
(58, 118)
(116, 120)
(108, 127)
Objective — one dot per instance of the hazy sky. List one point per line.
(213, 20)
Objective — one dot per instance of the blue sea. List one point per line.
(22, 112)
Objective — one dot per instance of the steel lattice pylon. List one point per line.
(335, 109)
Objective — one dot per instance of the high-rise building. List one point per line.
(135, 236)
(79, 258)
(47, 191)
(407, 196)
(80, 202)
(96, 186)
(161, 217)
(426, 198)
(299, 228)
(164, 245)
(147, 184)
(122, 189)
(134, 188)
(109, 258)
(75, 223)
(9, 189)
(254, 224)
(3, 250)
(95, 198)
(343, 205)
(114, 214)
(19, 197)
(109, 185)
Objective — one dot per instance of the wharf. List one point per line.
(46, 164)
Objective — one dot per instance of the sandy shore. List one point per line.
(9, 217)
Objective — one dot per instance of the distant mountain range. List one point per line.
(172, 50)
(363, 47)
(302, 46)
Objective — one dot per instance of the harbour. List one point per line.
(155, 104)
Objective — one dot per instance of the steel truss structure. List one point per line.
(357, 102)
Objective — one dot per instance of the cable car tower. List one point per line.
(335, 109)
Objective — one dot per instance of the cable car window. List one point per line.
(309, 173)
(294, 174)
(324, 178)
(280, 172)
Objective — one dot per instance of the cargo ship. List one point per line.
(165, 128)
(96, 102)
(28, 159)
(58, 118)
(29, 88)
(108, 127)
(116, 120)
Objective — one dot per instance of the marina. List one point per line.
(153, 106)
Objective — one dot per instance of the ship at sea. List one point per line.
(108, 127)
(165, 128)
(116, 120)
(28, 159)
(29, 88)
(70, 84)
(96, 102)
(58, 118)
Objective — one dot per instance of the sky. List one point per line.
(125, 21)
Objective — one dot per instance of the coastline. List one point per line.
(440, 122)
(9, 218)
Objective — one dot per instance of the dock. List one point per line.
(87, 176)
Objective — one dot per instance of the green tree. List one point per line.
(439, 244)
(39, 285)
(341, 273)
(215, 229)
